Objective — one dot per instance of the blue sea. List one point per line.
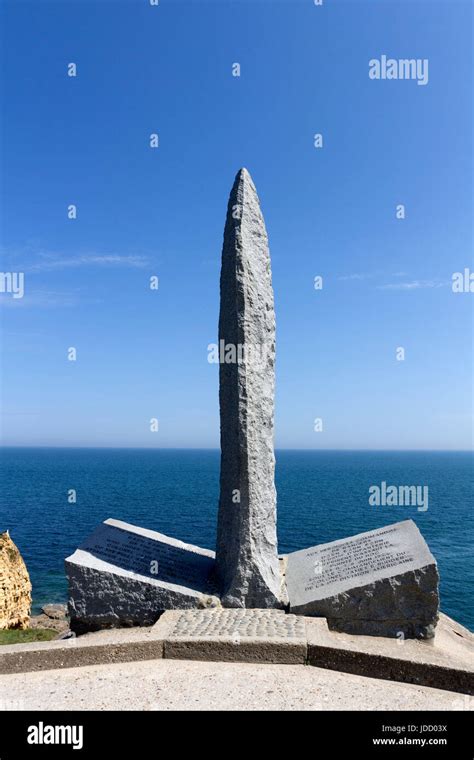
(322, 496)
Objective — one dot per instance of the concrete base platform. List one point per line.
(115, 645)
(445, 662)
(262, 636)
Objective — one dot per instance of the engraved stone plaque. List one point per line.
(126, 575)
(383, 582)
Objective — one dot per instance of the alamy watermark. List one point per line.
(13, 282)
(399, 496)
(401, 68)
(250, 354)
(51, 734)
(463, 282)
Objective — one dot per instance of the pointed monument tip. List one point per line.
(243, 178)
(243, 173)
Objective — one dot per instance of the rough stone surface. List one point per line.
(246, 556)
(123, 575)
(15, 586)
(55, 611)
(380, 583)
(233, 635)
(60, 625)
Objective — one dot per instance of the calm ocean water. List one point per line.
(322, 496)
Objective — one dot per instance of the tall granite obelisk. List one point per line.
(247, 564)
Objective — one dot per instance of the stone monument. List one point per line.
(383, 582)
(246, 555)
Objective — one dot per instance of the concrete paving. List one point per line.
(261, 636)
(445, 662)
(191, 685)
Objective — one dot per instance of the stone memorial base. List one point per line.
(123, 575)
(233, 635)
(443, 662)
(262, 636)
(380, 583)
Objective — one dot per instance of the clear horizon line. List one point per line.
(216, 448)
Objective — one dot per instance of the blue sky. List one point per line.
(142, 354)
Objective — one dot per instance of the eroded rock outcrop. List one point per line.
(15, 586)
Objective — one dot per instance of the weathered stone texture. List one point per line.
(246, 556)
